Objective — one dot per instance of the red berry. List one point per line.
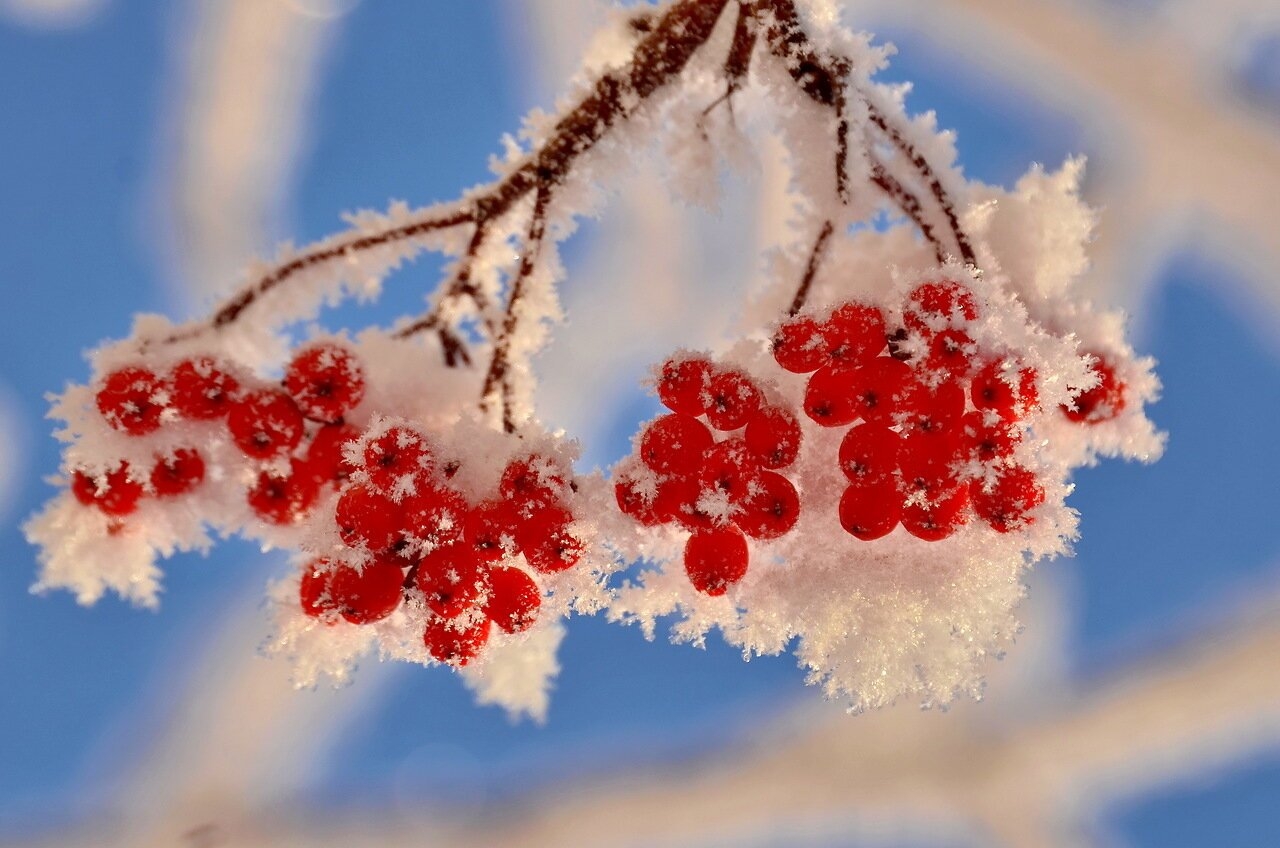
(683, 385)
(488, 529)
(934, 411)
(177, 473)
(870, 511)
(451, 579)
(326, 381)
(313, 589)
(678, 500)
(284, 500)
(799, 345)
(734, 399)
(455, 642)
(929, 465)
(855, 333)
(879, 388)
(132, 400)
(985, 442)
(368, 518)
(951, 352)
(731, 469)
(1005, 503)
(674, 444)
(202, 390)
(1001, 387)
(265, 424)
(397, 456)
(114, 492)
(513, 600)
(326, 456)
(532, 483)
(1101, 403)
(932, 307)
(716, 559)
(546, 542)
(936, 520)
(435, 515)
(773, 437)
(634, 500)
(829, 396)
(772, 509)
(869, 454)
(367, 595)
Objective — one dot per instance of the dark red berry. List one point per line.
(201, 389)
(937, 519)
(451, 578)
(546, 542)
(1002, 387)
(132, 400)
(800, 346)
(772, 509)
(870, 511)
(734, 399)
(879, 388)
(455, 641)
(368, 518)
(513, 600)
(367, 595)
(178, 473)
(855, 333)
(1101, 403)
(932, 307)
(396, 459)
(773, 437)
(829, 396)
(731, 469)
(1005, 502)
(674, 444)
(284, 499)
(716, 559)
(265, 424)
(683, 385)
(326, 456)
(114, 492)
(326, 381)
(869, 454)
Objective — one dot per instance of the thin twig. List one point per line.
(909, 204)
(811, 270)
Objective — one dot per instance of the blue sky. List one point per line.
(411, 104)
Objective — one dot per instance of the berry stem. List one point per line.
(811, 269)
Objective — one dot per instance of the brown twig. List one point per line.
(909, 204)
(811, 269)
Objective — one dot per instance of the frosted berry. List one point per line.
(265, 424)
(937, 519)
(326, 381)
(546, 542)
(1004, 389)
(178, 473)
(132, 400)
(773, 436)
(1101, 403)
(202, 390)
(397, 454)
(729, 468)
(114, 493)
(513, 600)
(532, 483)
(855, 333)
(869, 454)
(800, 346)
(455, 642)
(932, 410)
(870, 511)
(636, 501)
(313, 589)
(734, 399)
(1006, 502)
(367, 595)
(988, 442)
(368, 518)
(326, 455)
(451, 579)
(683, 385)
(934, 306)
(716, 559)
(679, 499)
(772, 509)
(929, 466)
(284, 499)
(829, 396)
(879, 387)
(488, 527)
(951, 352)
(675, 444)
(435, 515)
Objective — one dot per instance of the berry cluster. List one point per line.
(722, 491)
(303, 422)
(419, 538)
(936, 420)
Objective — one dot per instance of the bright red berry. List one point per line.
(532, 483)
(546, 542)
(369, 594)
(773, 437)
(313, 589)
(488, 529)
(1004, 388)
(284, 500)
(398, 455)
(513, 600)
(870, 511)
(987, 443)
(201, 389)
(454, 641)
(434, 515)
(132, 400)
(634, 500)
(855, 333)
(178, 473)
(869, 454)
(932, 307)
(951, 352)
(1101, 403)
(114, 492)
(935, 520)
(879, 388)
(683, 385)
(800, 346)
(368, 518)
(829, 396)
(932, 410)
(1006, 502)
(326, 455)
(772, 509)
(679, 500)
(734, 399)
(929, 465)
(265, 424)
(451, 578)
(716, 559)
(730, 468)
(674, 444)
(326, 381)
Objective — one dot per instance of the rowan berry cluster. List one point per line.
(721, 491)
